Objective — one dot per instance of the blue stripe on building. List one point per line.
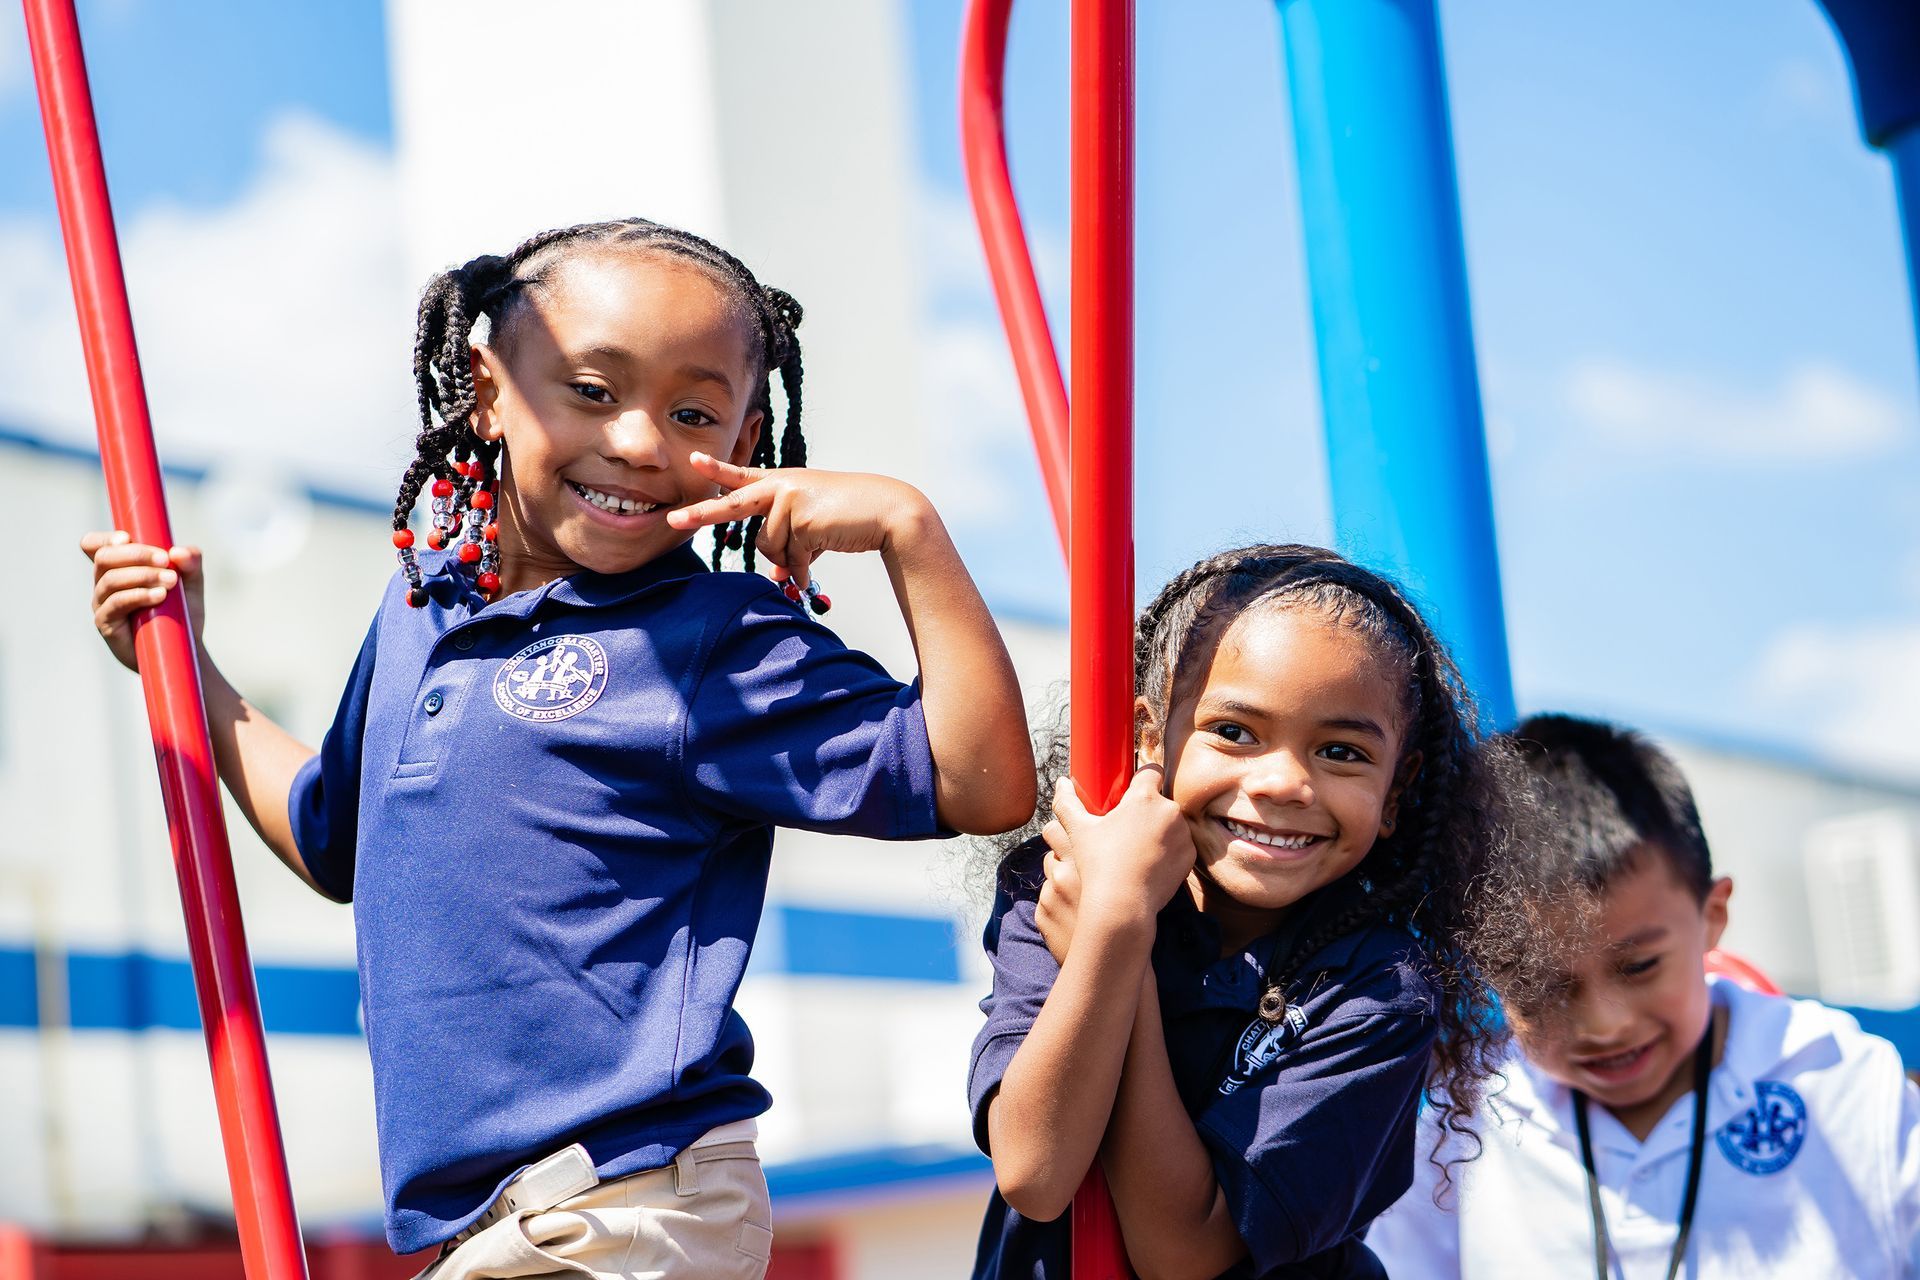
(817, 942)
(869, 1170)
(134, 991)
(19, 994)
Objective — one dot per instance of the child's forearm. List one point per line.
(1045, 1124)
(1172, 1214)
(976, 723)
(257, 760)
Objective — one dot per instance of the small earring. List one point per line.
(1386, 826)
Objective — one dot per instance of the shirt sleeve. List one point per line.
(1024, 972)
(323, 805)
(1418, 1237)
(788, 726)
(1307, 1156)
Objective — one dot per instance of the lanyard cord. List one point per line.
(1702, 1065)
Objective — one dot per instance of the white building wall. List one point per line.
(1756, 812)
(108, 1131)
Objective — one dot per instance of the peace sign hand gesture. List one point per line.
(807, 512)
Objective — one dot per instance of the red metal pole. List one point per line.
(223, 976)
(1100, 546)
(983, 144)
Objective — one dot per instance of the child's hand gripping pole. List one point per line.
(223, 976)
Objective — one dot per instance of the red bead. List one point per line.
(482, 500)
(443, 488)
(403, 538)
(491, 532)
(791, 590)
(488, 582)
(465, 468)
(820, 602)
(436, 539)
(469, 552)
(416, 597)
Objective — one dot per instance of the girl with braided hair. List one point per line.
(1234, 988)
(551, 786)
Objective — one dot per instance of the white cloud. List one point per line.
(978, 440)
(1816, 411)
(956, 261)
(16, 68)
(276, 328)
(1810, 91)
(1859, 686)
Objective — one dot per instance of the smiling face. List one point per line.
(602, 382)
(1285, 759)
(1635, 1001)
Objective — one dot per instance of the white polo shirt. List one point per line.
(1812, 1168)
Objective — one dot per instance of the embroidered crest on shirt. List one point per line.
(1766, 1136)
(552, 679)
(1261, 1044)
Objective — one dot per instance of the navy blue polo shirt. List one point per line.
(1309, 1123)
(553, 816)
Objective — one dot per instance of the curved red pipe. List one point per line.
(270, 1245)
(983, 145)
(1743, 971)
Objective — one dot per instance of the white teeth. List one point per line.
(618, 506)
(1267, 838)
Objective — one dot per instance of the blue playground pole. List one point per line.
(1882, 40)
(1406, 449)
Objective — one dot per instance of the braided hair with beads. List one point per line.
(1450, 871)
(460, 470)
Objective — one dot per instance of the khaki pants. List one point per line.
(706, 1216)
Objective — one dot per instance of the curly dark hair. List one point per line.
(492, 286)
(1452, 873)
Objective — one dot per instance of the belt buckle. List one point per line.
(538, 1187)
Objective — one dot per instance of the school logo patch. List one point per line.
(553, 679)
(1766, 1136)
(1261, 1044)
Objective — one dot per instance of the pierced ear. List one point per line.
(1402, 779)
(748, 440)
(485, 423)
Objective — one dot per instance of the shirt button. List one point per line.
(434, 703)
(464, 641)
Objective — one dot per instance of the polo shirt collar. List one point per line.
(448, 584)
(1236, 981)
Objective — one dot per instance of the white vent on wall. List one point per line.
(1863, 885)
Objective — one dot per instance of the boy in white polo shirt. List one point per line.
(1595, 1153)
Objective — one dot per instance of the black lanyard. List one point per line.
(1702, 1065)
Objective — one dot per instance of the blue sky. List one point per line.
(1695, 339)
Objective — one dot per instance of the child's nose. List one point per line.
(1282, 778)
(1600, 1019)
(634, 438)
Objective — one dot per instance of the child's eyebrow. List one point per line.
(1248, 711)
(700, 373)
(620, 355)
(1641, 939)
